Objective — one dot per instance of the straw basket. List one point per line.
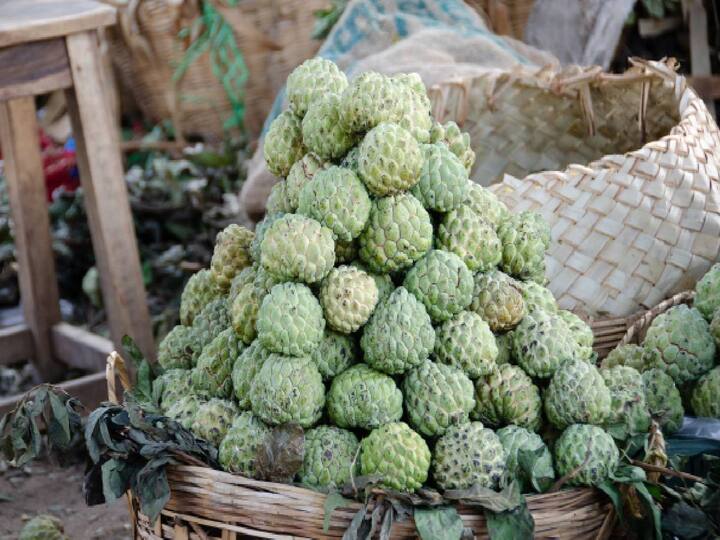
(215, 505)
(146, 47)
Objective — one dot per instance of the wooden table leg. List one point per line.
(28, 205)
(106, 198)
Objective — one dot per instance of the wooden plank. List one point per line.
(699, 47)
(16, 343)
(28, 206)
(79, 348)
(91, 390)
(34, 68)
(106, 199)
(22, 21)
(706, 86)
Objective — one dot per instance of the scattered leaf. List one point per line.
(333, 501)
(442, 523)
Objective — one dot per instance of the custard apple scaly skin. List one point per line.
(300, 174)
(486, 204)
(663, 400)
(437, 396)
(468, 235)
(43, 527)
(361, 397)
(239, 447)
(582, 332)
(231, 254)
(336, 198)
(288, 389)
(264, 280)
(330, 457)
(260, 229)
(589, 445)
(707, 293)
(351, 159)
(290, 320)
(323, 132)
(679, 342)
(706, 395)
(178, 349)
(504, 344)
(397, 454)
(715, 328)
(458, 142)
(515, 439)
(298, 248)
(398, 233)
(469, 454)
(184, 410)
(283, 144)
(383, 282)
(577, 394)
(213, 419)
(629, 355)
(443, 184)
(538, 297)
(498, 299)
(244, 311)
(467, 343)
(390, 160)
(199, 291)
(417, 114)
(348, 297)
(542, 342)
(442, 282)
(247, 365)
(212, 320)
(245, 277)
(371, 99)
(507, 396)
(346, 252)
(211, 376)
(312, 80)
(524, 237)
(399, 335)
(278, 201)
(335, 353)
(171, 386)
(629, 414)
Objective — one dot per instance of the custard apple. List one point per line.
(458, 142)
(629, 355)
(399, 335)
(524, 238)
(178, 349)
(244, 311)
(398, 233)
(582, 332)
(397, 454)
(361, 397)
(278, 201)
(390, 160)
(336, 198)
(245, 277)
(183, 410)
(300, 174)
(629, 414)
(498, 299)
(416, 117)
(706, 395)
(171, 386)
(283, 144)
(290, 320)
(212, 320)
(350, 161)
(211, 376)
(589, 449)
(469, 454)
(437, 396)
(443, 184)
(244, 370)
(467, 343)
(371, 99)
(288, 389)
(199, 291)
(335, 353)
(577, 394)
(383, 282)
(486, 204)
(43, 527)
(538, 297)
(238, 449)
(715, 328)
(260, 230)
(330, 457)
(264, 280)
(542, 342)
(471, 238)
(442, 282)
(504, 344)
(312, 80)
(298, 248)
(679, 342)
(213, 419)
(515, 440)
(322, 131)
(346, 252)
(231, 254)
(663, 400)
(707, 293)
(507, 396)
(348, 297)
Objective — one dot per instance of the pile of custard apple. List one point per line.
(397, 312)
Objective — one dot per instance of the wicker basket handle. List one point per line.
(115, 369)
(642, 322)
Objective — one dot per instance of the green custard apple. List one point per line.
(310, 81)
(371, 99)
(515, 440)
(348, 297)
(472, 238)
(212, 320)
(247, 365)
(582, 332)
(211, 376)
(199, 291)
(335, 353)
(300, 174)
(443, 184)
(707, 293)
(706, 395)
(213, 419)
(260, 230)
(178, 349)
(663, 400)
(538, 297)
(323, 132)
(525, 237)
(238, 449)
(498, 299)
(577, 394)
(172, 385)
(629, 413)
(231, 254)
(504, 344)
(283, 144)
(458, 142)
(542, 342)
(486, 204)
(467, 343)
(278, 201)
(630, 355)
(184, 410)
(507, 396)
(331, 457)
(590, 451)
(43, 527)
(244, 311)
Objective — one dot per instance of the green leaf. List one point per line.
(443, 523)
(650, 506)
(132, 351)
(333, 501)
(628, 474)
(143, 383)
(151, 487)
(90, 442)
(507, 499)
(359, 527)
(537, 466)
(37, 403)
(113, 480)
(60, 415)
(517, 524)
(613, 492)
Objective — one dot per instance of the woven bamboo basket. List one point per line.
(207, 504)
(146, 47)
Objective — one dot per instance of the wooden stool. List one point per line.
(47, 45)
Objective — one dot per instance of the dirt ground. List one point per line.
(45, 488)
